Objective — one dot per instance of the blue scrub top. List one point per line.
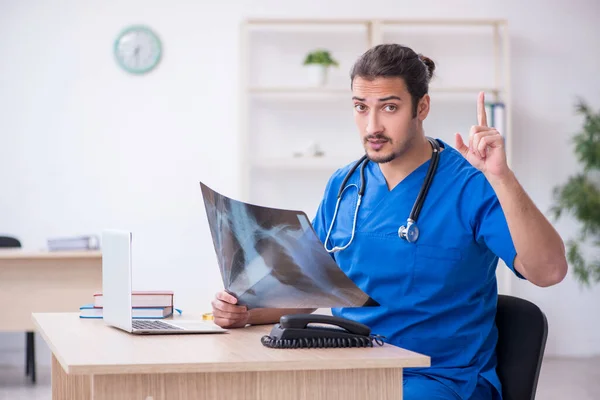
(438, 296)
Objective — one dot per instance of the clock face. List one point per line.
(137, 49)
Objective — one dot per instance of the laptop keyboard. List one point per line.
(150, 325)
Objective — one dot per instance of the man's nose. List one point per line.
(374, 125)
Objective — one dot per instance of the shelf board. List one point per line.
(292, 91)
(464, 89)
(298, 90)
(383, 21)
(444, 21)
(306, 21)
(302, 163)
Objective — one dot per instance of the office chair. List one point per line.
(522, 333)
(11, 242)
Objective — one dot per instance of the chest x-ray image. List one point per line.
(273, 258)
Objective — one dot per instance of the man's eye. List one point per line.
(360, 107)
(391, 107)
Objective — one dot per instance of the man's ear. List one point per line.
(423, 107)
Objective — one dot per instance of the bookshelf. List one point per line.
(282, 114)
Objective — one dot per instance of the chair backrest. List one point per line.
(9, 241)
(522, 334)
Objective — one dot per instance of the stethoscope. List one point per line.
(410, 231)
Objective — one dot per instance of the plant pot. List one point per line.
(317, 75)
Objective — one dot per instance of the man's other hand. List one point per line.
(226, 312)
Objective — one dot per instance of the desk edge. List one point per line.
(267, 366)
(11, 255)
(58, 357)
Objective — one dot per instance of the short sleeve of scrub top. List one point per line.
(489, 222)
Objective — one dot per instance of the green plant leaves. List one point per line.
(580, 197)
(322, 57)
(587, 142)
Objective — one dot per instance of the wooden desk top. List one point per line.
(20, 254)
(88, 346)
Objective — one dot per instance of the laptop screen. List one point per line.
(116, 278)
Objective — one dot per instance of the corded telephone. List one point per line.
(293, 331)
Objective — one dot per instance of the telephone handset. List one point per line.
(293, 331)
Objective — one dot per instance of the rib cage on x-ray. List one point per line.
(273, 258)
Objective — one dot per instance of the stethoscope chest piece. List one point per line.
(409, 232)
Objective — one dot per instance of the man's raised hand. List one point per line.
(486, 150)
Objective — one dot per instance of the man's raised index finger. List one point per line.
(481, 116)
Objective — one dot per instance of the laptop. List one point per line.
(117, 289)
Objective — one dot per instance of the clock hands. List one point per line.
(137, 55)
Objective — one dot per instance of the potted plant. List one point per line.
(318, 63)
(580, 196)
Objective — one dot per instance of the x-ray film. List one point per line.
(273, 258)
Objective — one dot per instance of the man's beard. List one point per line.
(379, 158)
(395, 151)
(382, 159)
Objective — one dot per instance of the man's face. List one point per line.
(384, 116)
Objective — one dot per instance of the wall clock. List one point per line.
(137, 49)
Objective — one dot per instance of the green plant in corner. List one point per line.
(580, 196)
(321, 57)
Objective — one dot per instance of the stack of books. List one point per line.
(496, 116)
(145, 305)
(90, 242)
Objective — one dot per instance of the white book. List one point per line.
(489, 112)
(499, 118)
(90, 242)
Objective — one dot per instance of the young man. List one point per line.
(438, 292)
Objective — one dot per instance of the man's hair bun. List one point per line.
(429, 64)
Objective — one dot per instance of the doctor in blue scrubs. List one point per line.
(420, 225)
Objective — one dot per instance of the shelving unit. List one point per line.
(281, 114)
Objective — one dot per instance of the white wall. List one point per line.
(84, 146)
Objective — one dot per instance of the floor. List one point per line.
(560, 379)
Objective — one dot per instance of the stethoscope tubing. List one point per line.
(415, 211)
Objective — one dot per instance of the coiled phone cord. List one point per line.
(321, 342)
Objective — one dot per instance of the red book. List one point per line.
(144, 299)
